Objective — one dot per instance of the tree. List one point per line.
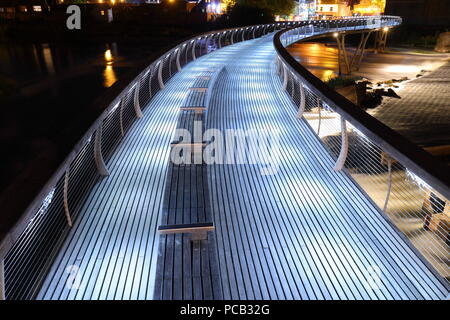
(247, 12)
(275, 7)
(281, 7)
(352, 3)
(228, 4)
(381, 4)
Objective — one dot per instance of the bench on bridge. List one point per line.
(187, 266)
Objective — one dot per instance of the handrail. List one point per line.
(433, 172)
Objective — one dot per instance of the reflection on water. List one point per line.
(318, 58)
(27, 63)
(109, 76)
(48, 58)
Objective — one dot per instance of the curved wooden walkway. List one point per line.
(306, 232)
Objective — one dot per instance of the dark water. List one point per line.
(46, 101)
(25, 64)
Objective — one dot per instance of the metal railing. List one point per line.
(407, 184)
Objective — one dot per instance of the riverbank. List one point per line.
(422, 87)
(394, 63)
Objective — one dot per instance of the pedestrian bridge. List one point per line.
(337, 218)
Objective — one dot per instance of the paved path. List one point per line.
(305, 232)
(423, 112)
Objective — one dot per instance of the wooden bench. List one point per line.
(187, 266)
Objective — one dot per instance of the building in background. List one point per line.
(369, 7)
(339, 8)
(14, 9)
(305, 9)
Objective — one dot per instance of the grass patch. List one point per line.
(341, 81)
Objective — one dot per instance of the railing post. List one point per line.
(254, 29)
(137, 106)
(2, 279)
(344, 147)
(389, 163)
(122, 130)
(66, 198)
(150, 81)
(160, 79)
(206, 44)
(193, 50)
(293, 88)
(220, 40)
(320, 116)
(232, 33)
(98, 156)
(301, 108)
(285, 76)
(217, 36)
(169, 63)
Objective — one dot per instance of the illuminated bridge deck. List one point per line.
(306, 232)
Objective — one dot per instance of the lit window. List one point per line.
(37, 8)
(102, 12)
(23, 8)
